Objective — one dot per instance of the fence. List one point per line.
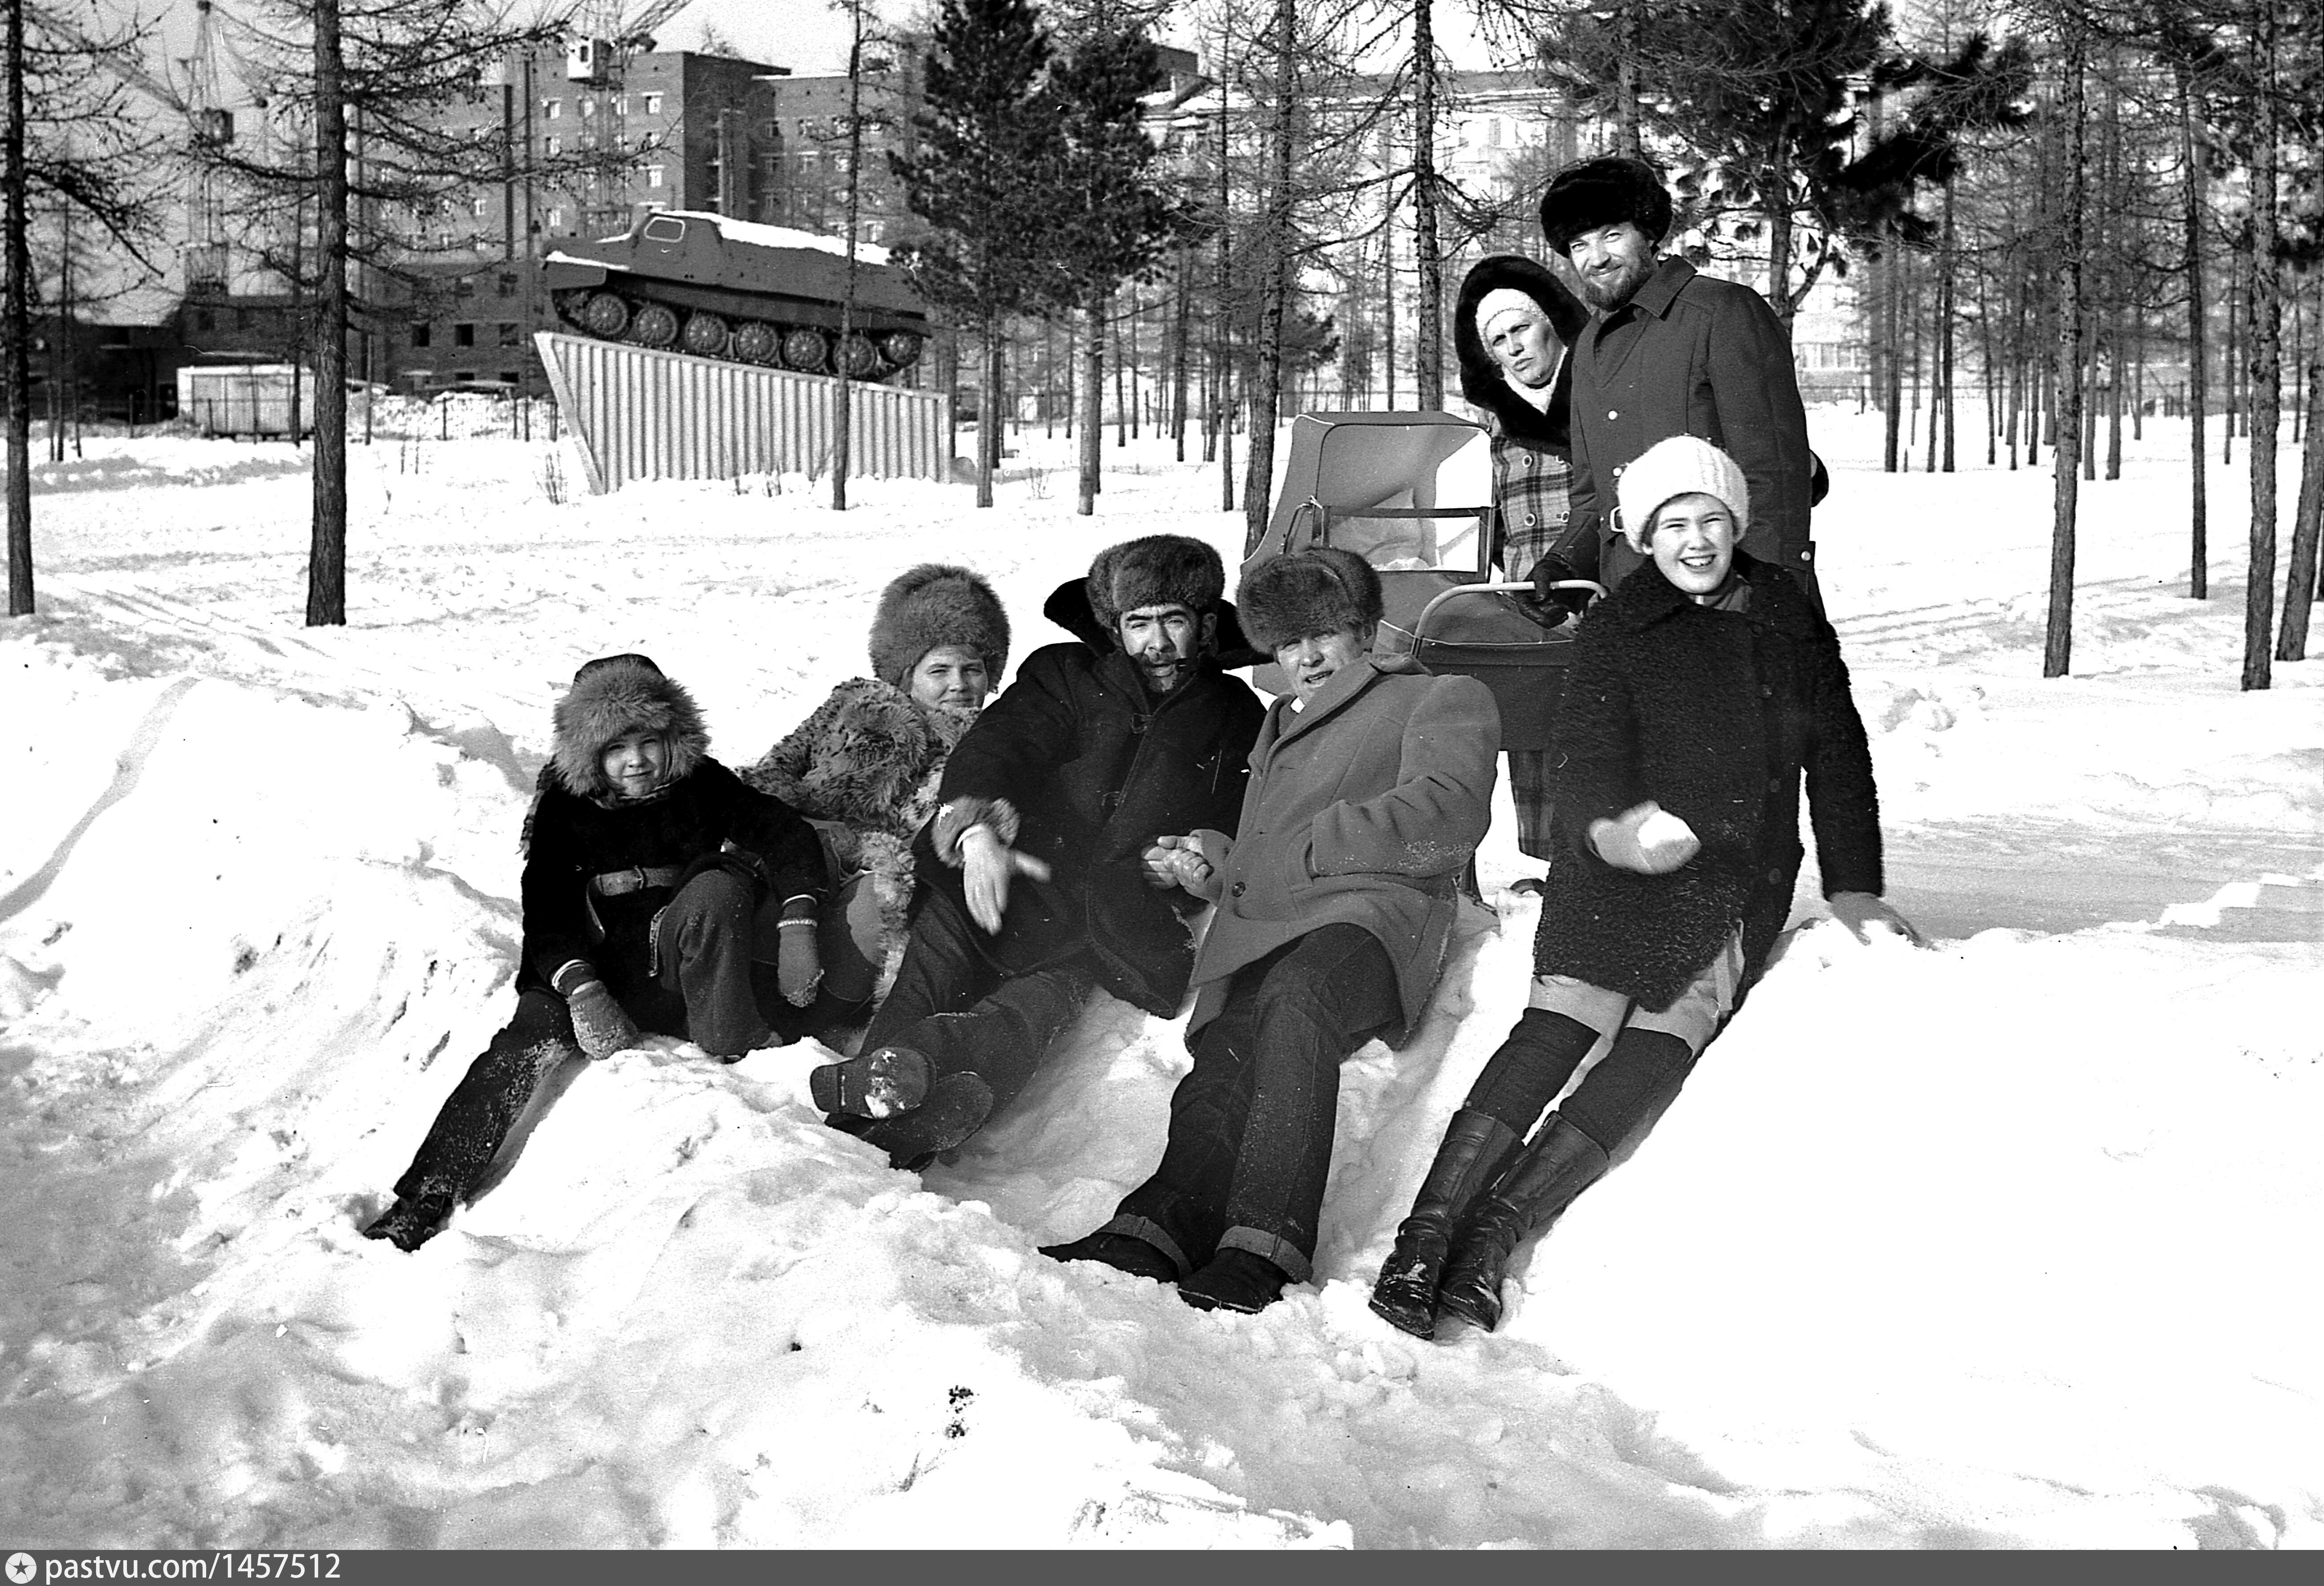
(641, 414)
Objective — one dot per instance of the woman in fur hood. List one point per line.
(659, 893)
(866, 765)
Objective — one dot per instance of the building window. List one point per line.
(552, 109)
(556, 218)
(588, 109)
(477, 206)
(1493, 132)
(653, 103)
(774, 133)
(653, 175)
(556, 145)
(508, 376)
(243, 319)
(509, 336)
(204, 320)
(507, 284)
(419, 332)
(463, 335)
(464, 287)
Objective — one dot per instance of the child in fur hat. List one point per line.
(660, 892)
(1699, 694)
(865, 767)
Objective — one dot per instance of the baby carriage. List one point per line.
(1412, 493)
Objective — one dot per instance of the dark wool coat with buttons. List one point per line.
(1363, 809)
(1532, 457)
(1691, 355)
(1075, 766)
(1714, 715)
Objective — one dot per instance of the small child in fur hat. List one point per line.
(660, 892)
(865, 767)
(1699, 694)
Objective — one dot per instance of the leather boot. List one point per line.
(412, 1220)
(1476, 1144)
(1561, 1163)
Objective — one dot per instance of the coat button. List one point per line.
(1775, 784)
(1766, 692)
(1613, 413)
(1774, 877)
(1530, 520)
(1235, 890)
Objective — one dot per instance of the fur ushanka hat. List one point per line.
(1681, 465)
(934, 605)
(1605, 192)
(1160, 570)
(617, 694)
(1317, 591)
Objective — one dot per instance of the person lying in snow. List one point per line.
(1372, 785)
(1698, 694)
(865, 767)
(1033, 885)
(660, 892)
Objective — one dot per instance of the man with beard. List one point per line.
(1035, 881)
(1673, 352)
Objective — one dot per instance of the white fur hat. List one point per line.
(1683, 465)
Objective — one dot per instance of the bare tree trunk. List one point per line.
(327, 558)
(2266, 372)
(16, 333)
(2058, 644)
(1948, 294)
(1180, 321)
(1266, 402)
(2231, 392)
(988, 407)
(1779, 228)
(2199, 577)
(1092, 431)
(1428, 348)
(1893, 373)
(1628, 140)
(2307, 523)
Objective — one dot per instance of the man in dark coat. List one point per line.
(1034, 884)
(1698, 695)
(1372, 785)
(660, 892)
(1673, 352)
(1512, 327)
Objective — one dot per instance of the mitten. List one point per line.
(600, 1023)
(1554, 569)
(1863, 913)
(799, 962)
(1645, 838)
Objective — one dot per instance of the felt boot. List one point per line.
(955, 1108)
(1476, 1144)
(1541, 1183)
(1235, 1280)
(1123, 1252)
(883, 1083)
(412, 1220)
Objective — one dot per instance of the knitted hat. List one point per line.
(1605, 192)
(1683, 465)
(1317, 591)
(1502, 299)
(1160, 570)
(610, 697)
(934, 605)
(1481, 381)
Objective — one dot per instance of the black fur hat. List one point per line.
(1605, 192)
(934, 605)
(1160, 570)
(1315, 591)
(1480, 378)
(617, 694)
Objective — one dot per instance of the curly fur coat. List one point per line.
(869, 760)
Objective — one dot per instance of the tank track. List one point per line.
(603, 314)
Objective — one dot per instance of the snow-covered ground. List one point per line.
(2010, 1242)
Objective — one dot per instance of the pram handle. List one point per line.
(1509, 587)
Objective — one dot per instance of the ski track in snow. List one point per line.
(1996, 1245)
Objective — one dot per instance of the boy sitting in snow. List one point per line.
(656, 887)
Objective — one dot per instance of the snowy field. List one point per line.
(1999, 1244)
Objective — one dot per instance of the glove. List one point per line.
(1554, 569)
(799, 961)
(1863, 914)
(600, 1023)
(1645, 838)
(987, 868)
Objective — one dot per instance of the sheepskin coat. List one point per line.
(1714, 715)
(579, 830)
(1077, 766)
(869, 761)
(1689, 355)
(1533, 468)
(1363, 809)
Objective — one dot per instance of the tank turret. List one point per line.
(717, 287)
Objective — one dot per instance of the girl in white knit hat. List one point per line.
(1699, 694)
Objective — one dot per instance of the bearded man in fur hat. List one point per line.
(1035, 880)
(1372, 785)
(1673, 352)
(659, 893)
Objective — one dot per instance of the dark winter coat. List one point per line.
(1532, 450)
(870, 759)
(1713, 715)
(1363, 809)
(1075, 766)
(1689, 355)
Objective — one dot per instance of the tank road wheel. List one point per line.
(862, 358)
(806, 349)
(654, 325)
(705, 335)
(757, 342)
(900, 347)
(605, 314)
